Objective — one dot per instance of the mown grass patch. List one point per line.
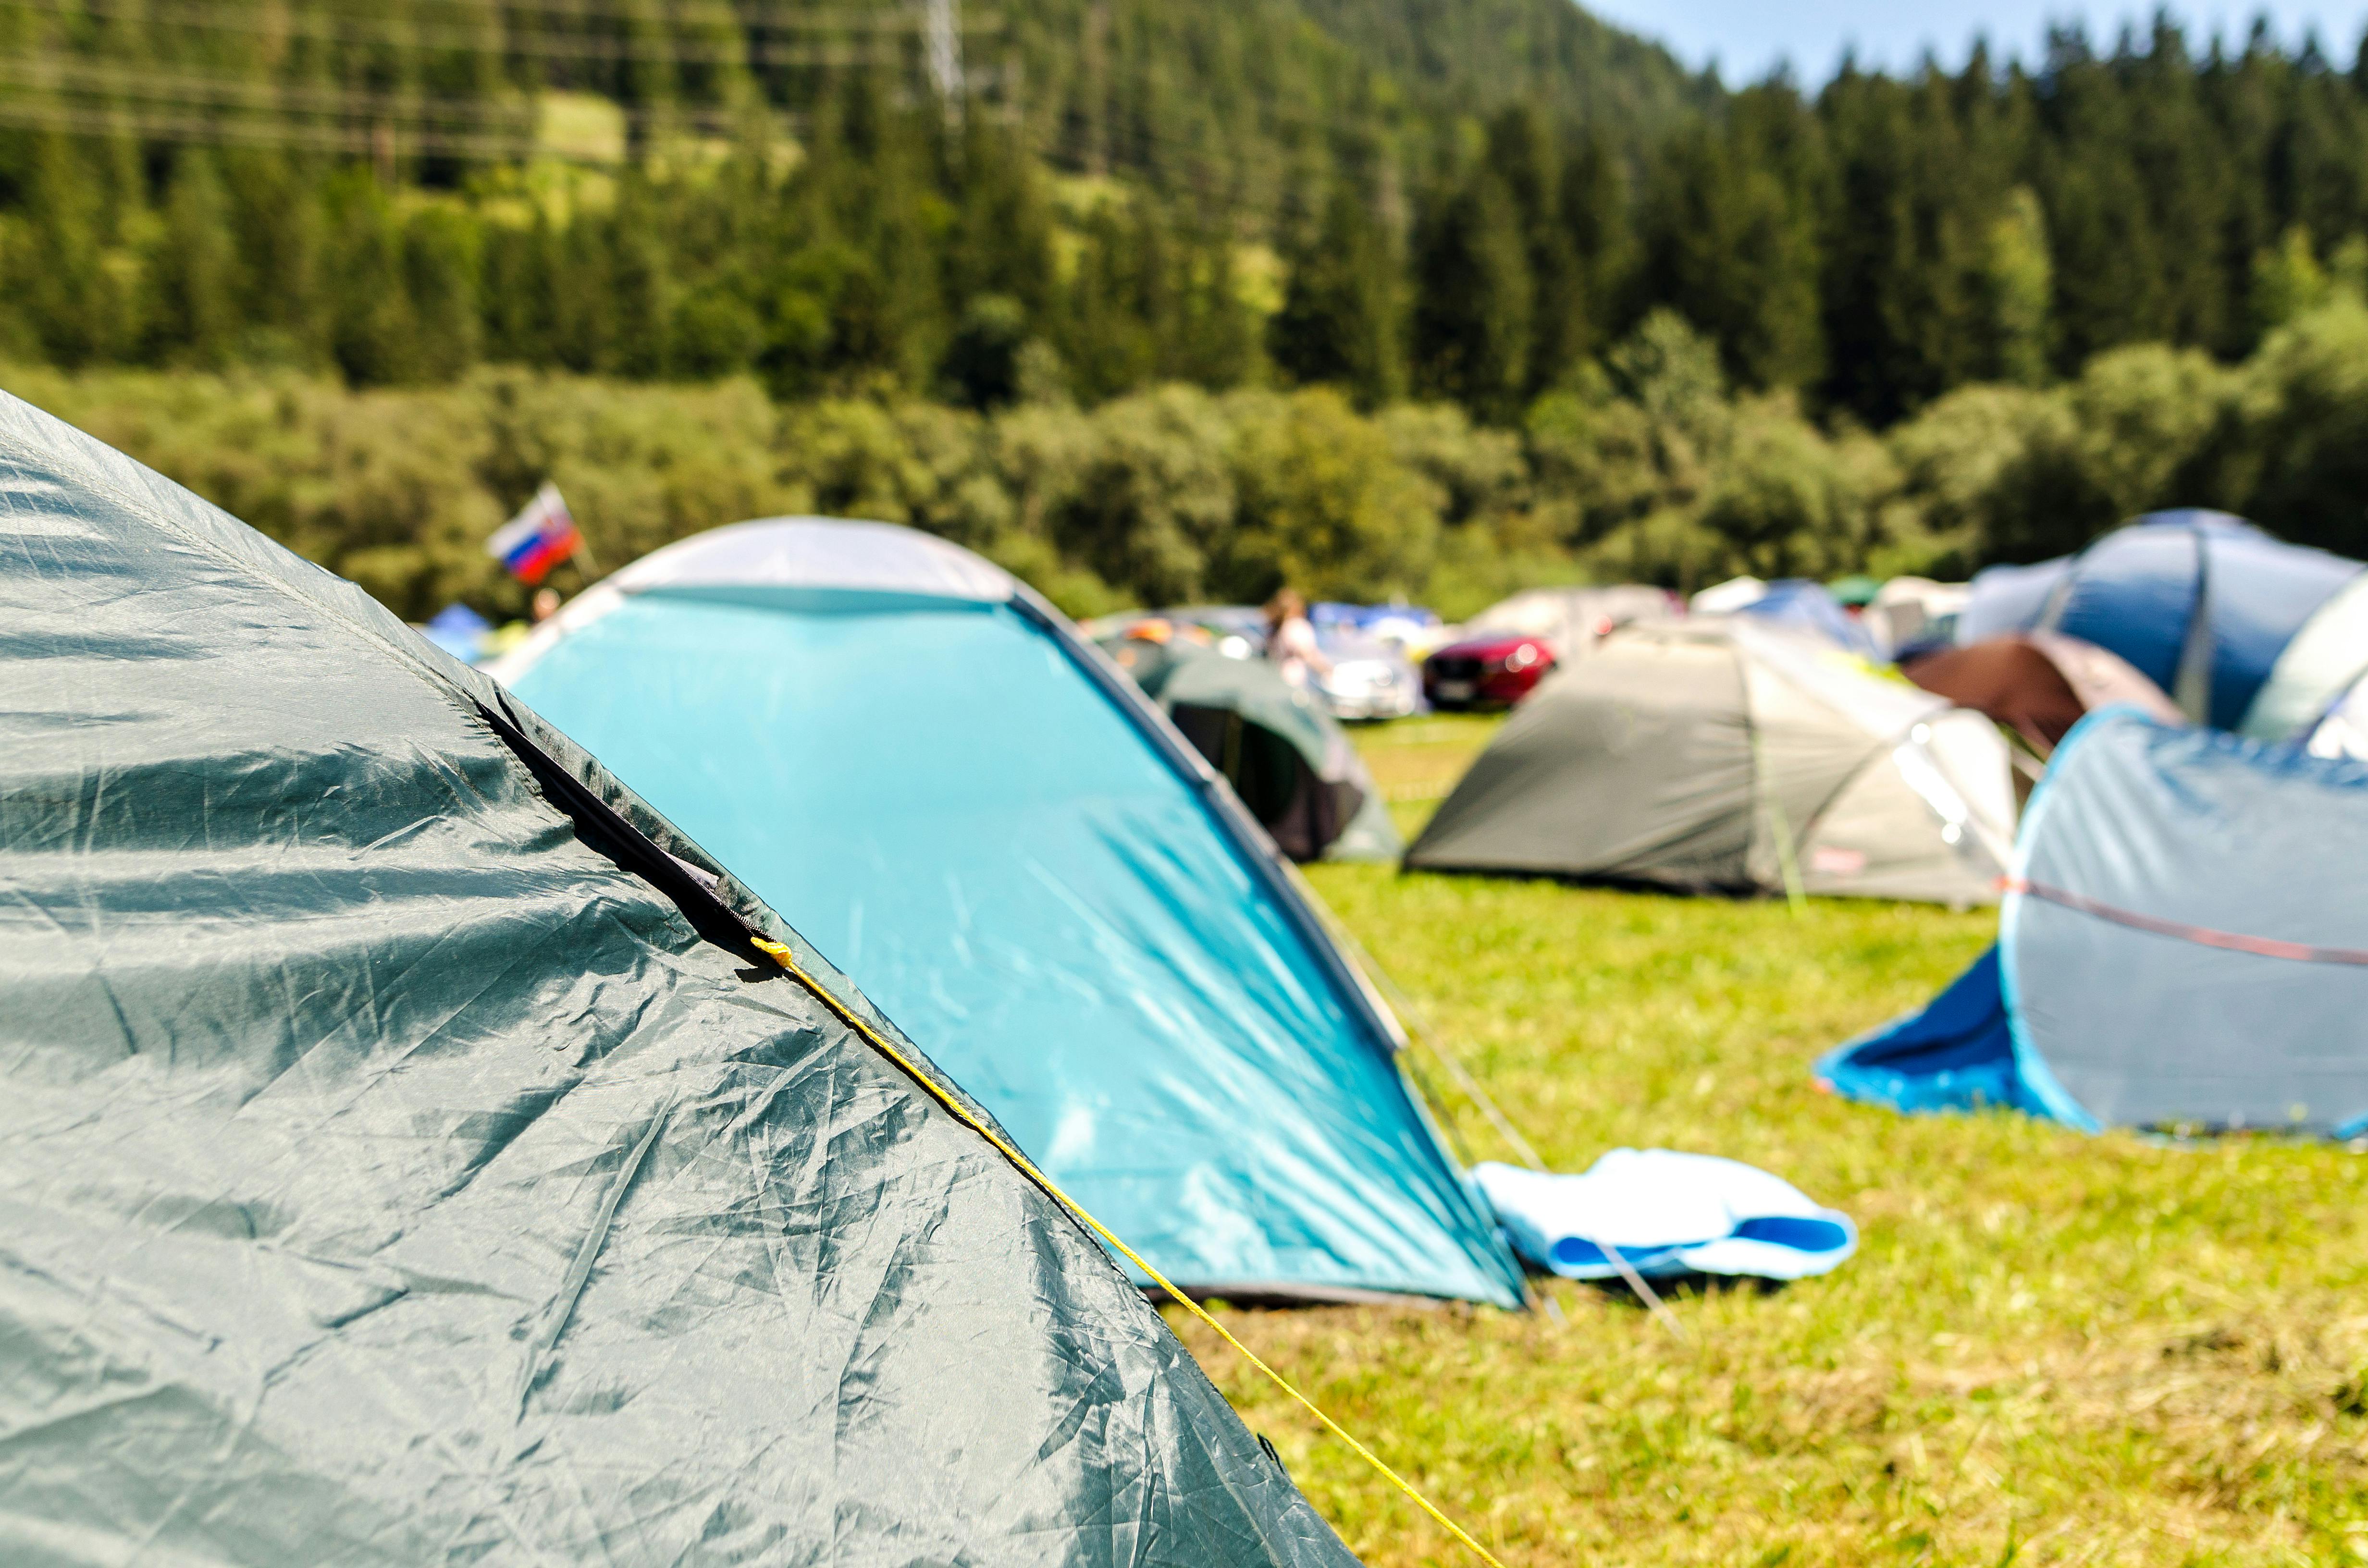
(2052, 1349)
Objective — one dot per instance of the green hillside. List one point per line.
(1497, 205)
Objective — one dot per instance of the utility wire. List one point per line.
(156, 125)
(1212, 175)
(746, 51)
(376, 19)
(250, 93)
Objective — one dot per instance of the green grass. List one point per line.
(2050, 1348)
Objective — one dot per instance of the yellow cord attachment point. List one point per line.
(782, 956)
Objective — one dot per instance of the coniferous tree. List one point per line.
(1731, 243)
(640, 304)
(67, 296)
(1874, 245)
(276, 218)
(583, 315)
(373, 333)
(1596, 209)
(521, 266)
(2021, 280)
(1216, 341)
(1523, 150)
(439, 274)
(193, 317)
(1342, 321)
(1473, 320)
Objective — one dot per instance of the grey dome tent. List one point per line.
(2183, 944)
(949, 791)
(1289, 762)
(1715, 755)
(412, 1159)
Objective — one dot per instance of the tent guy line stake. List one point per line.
(1410, 1013)
(781, 955)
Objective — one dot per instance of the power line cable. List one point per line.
(746, 51)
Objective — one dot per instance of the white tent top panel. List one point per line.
(780, 552)
(2327, 657)
(821, 552)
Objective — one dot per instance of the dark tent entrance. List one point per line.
(1303, 813)
(1289, 761)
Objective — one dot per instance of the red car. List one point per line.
(1494, 671)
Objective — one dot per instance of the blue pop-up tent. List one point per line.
(2183, 943)
(2201, 603)
(986, 824)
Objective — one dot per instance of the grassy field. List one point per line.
(2052, 1349)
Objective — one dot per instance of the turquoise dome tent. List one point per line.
(2182, 944)
(977, 816)
(413, 1158)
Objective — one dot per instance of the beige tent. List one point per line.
(1718, 756)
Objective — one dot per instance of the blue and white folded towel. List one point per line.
(1667, 1213)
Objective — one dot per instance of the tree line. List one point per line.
(1870, 246)
(1659, 469)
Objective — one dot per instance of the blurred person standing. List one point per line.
(1291, 640)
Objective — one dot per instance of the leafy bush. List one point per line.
(1645, 468)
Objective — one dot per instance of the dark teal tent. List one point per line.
(1289, 761)
(412, 1159)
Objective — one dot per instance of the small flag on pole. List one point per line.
(538, 538)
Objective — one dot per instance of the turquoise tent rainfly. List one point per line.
(981, 821)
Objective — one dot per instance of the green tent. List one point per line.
(1286, 758)
(413, 1159)
(1718, 755)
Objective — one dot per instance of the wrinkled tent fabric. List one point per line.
(1709, 754)
(986, 824)
(411, 1161)
(2039, 684)
(2327, 659)
(2200, 603)
(2186, 945)
(1288, 760)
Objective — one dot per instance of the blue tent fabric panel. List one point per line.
(1956, 1054)
(2120, 1026)
(2262, 592)
(2005, 599)
(949, 808)
(1800, 604)
(2135, 593)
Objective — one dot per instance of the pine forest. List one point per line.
(1419, 297)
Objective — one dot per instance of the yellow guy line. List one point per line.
(781, 955)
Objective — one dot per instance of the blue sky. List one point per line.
(1748, 36)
